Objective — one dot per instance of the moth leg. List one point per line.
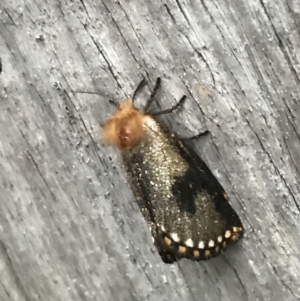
(199, 135)
(152, 96)
(138, 88)
(170, 110)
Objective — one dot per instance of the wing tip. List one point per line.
(171, 250)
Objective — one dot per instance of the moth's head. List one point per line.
(125, 126)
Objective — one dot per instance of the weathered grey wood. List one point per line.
(69, 226)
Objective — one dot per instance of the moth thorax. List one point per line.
(125, 127)
(129, 131)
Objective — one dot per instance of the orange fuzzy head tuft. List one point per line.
(125, 127)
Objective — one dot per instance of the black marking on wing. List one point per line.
(197, 178)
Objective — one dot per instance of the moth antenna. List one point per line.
(170, 110)
(152, 96)
(138, 88)
(112, 101)
(115, 103)
(85, 92)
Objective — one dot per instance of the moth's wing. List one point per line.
(183, 203)
(167, 255)
(208, 222)
(139, 180)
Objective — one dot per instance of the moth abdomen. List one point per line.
(185, 206)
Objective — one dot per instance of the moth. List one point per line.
(183, 203)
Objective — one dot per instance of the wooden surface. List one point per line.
(69, 226)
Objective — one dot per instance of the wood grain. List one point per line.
(69, 226)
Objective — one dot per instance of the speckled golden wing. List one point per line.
(184, 204)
